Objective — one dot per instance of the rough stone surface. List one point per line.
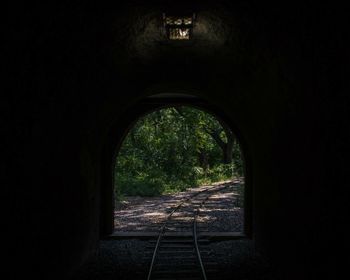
(76, 85)
(130, 259)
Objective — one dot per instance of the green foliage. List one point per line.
(172, 149)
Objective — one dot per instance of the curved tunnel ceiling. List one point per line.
(221, 35)
(209, 33)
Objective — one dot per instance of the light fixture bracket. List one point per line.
(179, 27)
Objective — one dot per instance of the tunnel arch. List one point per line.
(142, 107)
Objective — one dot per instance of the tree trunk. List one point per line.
(225, 147)
(203, 160)
(227, 151)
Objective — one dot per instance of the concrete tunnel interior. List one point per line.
(81, 72)
(154, 103)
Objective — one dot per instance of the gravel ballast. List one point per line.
(223, 212)
(130, 259)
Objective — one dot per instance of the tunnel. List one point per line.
(81, 73)
(153, 103)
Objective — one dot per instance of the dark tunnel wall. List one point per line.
(150, 103)
(273, 69)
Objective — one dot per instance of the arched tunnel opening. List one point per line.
(167, 155)
(159, 218)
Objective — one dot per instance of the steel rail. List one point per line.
(162, 230)
(199, 257)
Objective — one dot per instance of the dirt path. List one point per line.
(148, 213)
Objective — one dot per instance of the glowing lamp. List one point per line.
(178, 27)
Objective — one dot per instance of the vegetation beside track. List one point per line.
(175, 148)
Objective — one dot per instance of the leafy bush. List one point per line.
(172, 149)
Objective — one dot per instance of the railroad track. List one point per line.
(186, 257)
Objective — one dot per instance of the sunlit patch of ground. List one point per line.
(223, 212)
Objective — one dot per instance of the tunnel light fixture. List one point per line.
(178, 27)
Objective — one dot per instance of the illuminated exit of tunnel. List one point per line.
(169, 155)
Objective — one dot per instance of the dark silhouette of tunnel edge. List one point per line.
(144, 106)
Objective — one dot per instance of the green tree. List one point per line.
(174, 148)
